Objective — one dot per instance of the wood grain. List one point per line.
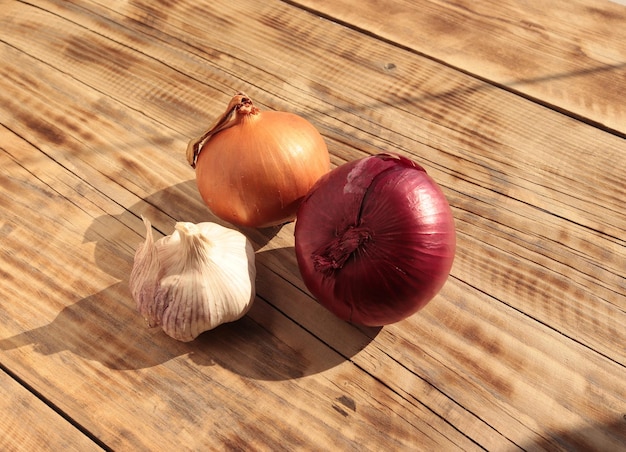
(121, 370)
(28, 424)
(523, 348)
(568, 55)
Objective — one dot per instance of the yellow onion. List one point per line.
(253, 167)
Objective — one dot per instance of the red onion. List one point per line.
(375, 239)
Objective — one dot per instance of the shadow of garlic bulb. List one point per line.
(189, 282)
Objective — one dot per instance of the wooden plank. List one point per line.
(97, 168)
(29, 424)
(482, 367)
(90, 353)
(478, 154)
(569, 55)
(120, 370)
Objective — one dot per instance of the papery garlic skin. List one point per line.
(199, 277)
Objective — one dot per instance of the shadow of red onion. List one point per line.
(105, 327)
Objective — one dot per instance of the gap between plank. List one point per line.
(500, 85)
(54, 407)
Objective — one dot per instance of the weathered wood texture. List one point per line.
(523, 348)
(567, 54)
(28, 424)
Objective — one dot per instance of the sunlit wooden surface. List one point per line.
(517, 109)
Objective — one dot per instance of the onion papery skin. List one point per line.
(257, 172)
(375, 240)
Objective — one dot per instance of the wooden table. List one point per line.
(517, 109)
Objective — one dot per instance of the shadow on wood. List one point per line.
(598, 437)
(104, 327)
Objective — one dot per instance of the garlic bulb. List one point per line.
(199, 277)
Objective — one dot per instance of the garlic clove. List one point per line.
(199, 277)
(143, 280)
